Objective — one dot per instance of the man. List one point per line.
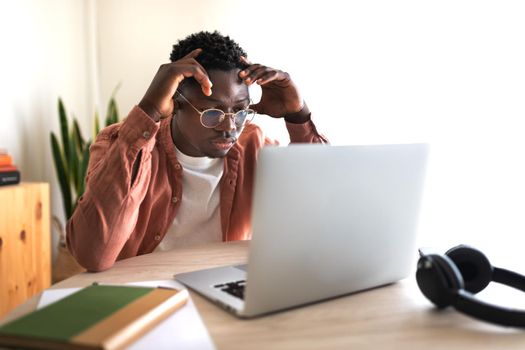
(179, 169)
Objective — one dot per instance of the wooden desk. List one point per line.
(392, 317)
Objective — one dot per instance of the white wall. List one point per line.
(43, 56)
(447, 72)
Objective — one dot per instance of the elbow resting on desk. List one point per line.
(93, 266)
(89, 255)
(86, 261)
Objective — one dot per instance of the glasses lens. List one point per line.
(212, 117)
(244, 116)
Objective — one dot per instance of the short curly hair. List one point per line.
(218, 51)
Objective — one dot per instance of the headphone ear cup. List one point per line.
(476, 270)
(438, 279)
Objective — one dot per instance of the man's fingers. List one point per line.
(250, 66)
(202, 78)
(188, 67)
(260, 74)
(245, 60)
(193, 54)
(263, 75)
(254, 72)
(205, 85)
(267, 77)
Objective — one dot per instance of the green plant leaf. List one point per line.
(64, 131)
(83, 170)
(79, 139)
(112, 113)
(71, 158)
(63, 182)
(74, 163)
(96, 127)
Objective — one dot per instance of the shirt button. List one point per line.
(177, 166)
(174, 199)
(157, 237)
(146, 134)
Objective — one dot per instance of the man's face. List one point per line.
(230, 95)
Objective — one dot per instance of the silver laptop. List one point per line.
(327, 221)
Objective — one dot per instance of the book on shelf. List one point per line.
(6, 168)
(5, 159)
(9, 173)
(95, 317)
(9, 177)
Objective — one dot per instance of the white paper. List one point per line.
(182, 330)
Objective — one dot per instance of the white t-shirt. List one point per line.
(198, 218)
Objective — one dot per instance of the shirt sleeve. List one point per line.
(107, 213)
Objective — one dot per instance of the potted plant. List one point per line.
(71, 158)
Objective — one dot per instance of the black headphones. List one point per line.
(453, 279)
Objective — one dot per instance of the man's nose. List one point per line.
(228, 124)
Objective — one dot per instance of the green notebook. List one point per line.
(96, 317)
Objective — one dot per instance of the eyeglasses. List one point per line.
(213, 117)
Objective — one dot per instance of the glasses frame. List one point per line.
(223, 115)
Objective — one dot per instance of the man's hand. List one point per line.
(158, 100)
(280, 96)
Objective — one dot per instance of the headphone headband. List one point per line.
(509, 278)
(468, 304)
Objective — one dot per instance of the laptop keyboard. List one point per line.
(233, 288)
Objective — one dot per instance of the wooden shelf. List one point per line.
(25, 243)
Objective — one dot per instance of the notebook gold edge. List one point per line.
(134, 320)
